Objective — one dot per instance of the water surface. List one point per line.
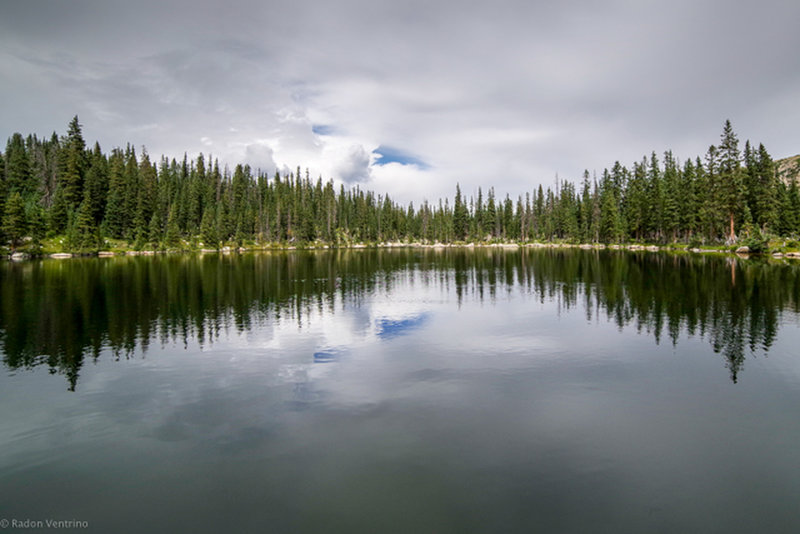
(402, 391)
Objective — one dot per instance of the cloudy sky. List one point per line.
(406, 97)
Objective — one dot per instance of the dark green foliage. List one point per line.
(764, 197)
(492, 222)
(73, 165)
(731, 188)
(586, 234)
(81, 192)
(14, 224)
(97, 184)
(116, 216)
(172, 239)
(57, 216)
(18, 175)
(671, 215)
(154, 231)
(757, 243)
(611, 229)
(460, 216)
(688, 205)
(85, 236)
(791, 210)
(208, 229)
(2, 176)
(654, 194)
(37, 226)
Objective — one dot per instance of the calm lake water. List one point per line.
(402, 391)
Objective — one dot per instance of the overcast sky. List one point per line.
(406, 97)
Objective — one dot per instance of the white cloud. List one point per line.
(408, 183)
(352, 164)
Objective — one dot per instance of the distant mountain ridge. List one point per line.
(788, 169)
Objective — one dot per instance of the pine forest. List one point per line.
(57, 194)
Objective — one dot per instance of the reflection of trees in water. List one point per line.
(735, 304)
(57, 313)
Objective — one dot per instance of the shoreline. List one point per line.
(634, 247)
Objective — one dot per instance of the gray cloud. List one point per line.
(260, 156)
(354, 165)
(505, 93)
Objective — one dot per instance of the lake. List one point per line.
(406, 390)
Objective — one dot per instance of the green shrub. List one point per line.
(757, 243)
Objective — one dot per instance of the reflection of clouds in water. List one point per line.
(328, 355)
(288, 355)
(383, 328)
(377, 321)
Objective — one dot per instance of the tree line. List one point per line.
(58, 187)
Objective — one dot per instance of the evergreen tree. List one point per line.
(196, 196)
(35, 215)
(154, 231)
(73, 165)
(492, 220)
(85, 237)
(3, 184)
(792, 209)
(116, 216)
(97, 184)
(208, 228)
(586, 210)
(172, 238)
(568, 209)
(508, 219)
(460, 216)
(58, 214)
(711, 201)
(787, 221)
(15, 225)
(731, 179)
(19, 177)
(538, 212)
(655, 199)
(688, 206)
(749, 171)
(46, 166)
(766, 189)
(596, 218)
(672, 196)
(636, 201)
(146, 196)
(479, 216)
(610, 221)
(130, 190)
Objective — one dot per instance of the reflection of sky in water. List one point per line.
(389, 328)
(385, 328)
